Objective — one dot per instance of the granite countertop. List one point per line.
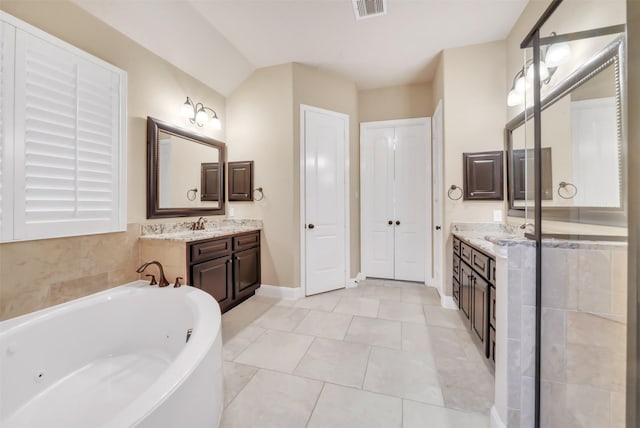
(485, 236)
(197, 235)
(181, 232)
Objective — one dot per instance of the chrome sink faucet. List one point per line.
(163, 280)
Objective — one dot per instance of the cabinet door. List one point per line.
(466, 277)
(215, 277)
(492, 306)
(479, 319)
(483, 176)
(246, 272)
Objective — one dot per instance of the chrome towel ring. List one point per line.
(258, 189)
(191, 194)
(564, 185)
(452, 190)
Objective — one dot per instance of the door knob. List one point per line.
(438, 227)
(390, 222)
(311, 226)
(397, 222)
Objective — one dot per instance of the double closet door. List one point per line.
(396, 207)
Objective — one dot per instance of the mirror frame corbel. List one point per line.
(154, 126)
(611, 55)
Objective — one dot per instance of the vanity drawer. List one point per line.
(480, 263)
(465, 252)
(456, 246)
(456, 268)
(492, 271)
(243, 242)
(210, 250)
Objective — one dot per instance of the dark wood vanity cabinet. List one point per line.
(474, 292)
(227, 268)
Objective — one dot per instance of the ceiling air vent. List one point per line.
(369, 8)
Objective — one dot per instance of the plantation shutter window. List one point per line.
(68, 141)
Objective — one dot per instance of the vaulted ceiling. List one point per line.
(221, 42)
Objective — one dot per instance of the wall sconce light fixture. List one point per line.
(554, 55)
(197, 114)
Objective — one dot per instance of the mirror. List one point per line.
(582, 147)
(185, 172)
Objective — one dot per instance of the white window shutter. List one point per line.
(7, 42)
(68, 143)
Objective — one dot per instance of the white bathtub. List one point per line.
(115, 359)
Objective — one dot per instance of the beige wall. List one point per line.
(320, 89)
(260, 128)
(38, 274)
(474, 118)
(396, 102)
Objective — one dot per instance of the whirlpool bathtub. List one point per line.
(133, 356)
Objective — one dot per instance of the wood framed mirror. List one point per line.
(175, 181)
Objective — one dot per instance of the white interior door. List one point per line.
(378, 203)
(324, 140)
(411, 190)
(437, 191)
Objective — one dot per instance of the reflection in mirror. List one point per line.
(582, 166)
(179, 170)
(186, 172)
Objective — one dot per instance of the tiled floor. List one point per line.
(384, 354)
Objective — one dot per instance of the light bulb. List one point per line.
(515, 98)
(544, 72)
(187, 109)
(215, 122)
(202, 117)
(557, 54)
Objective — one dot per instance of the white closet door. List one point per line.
(411, 167)
(378, 202)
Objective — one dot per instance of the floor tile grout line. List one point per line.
(366, 370)
(315, 405)
(243, 387)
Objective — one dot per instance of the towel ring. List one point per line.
(258, 189)
(452, 189)
(191, 194)
(564, 185)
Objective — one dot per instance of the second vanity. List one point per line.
(224, 261)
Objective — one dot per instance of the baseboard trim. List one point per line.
(496, 422)
(276, 292)
(353, 282)
(448, 303)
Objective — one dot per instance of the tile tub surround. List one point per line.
(347, 359)
(38, 274)
(583, 333)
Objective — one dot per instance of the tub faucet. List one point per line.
(163, 280)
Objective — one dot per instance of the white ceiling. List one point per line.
(221, 42)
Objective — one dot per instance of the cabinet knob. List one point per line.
(390, 222)
(311, 226)
(397, 222)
